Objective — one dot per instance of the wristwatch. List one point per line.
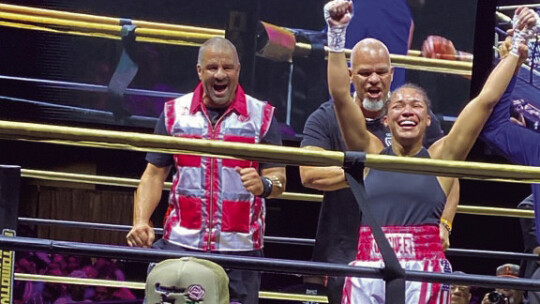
(276, 182)
(269, 183)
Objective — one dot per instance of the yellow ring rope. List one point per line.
(108, 27)
(131, 182)
(138, 285)
(264, 153)
(32, 11)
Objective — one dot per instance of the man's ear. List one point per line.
(391, 74)
(199, 71)
(429, 120)
(350, 74)
(385, 121)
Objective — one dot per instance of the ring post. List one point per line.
(10, 183)
(242, 32)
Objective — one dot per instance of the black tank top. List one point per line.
(400, 199)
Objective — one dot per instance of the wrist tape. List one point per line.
(336, 38)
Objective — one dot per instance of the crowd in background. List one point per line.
(42, 263)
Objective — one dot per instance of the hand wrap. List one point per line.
(336, 33)
(523, 36)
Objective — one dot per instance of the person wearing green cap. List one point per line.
(187, 281)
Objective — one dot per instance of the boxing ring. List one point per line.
(126, 140)
(111, 28)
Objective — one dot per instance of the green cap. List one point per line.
(187, 280)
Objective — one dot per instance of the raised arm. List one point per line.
(351, 119)
(473, 117)
(517, 143)
(470, 121)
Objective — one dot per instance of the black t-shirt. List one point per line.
(272, 137)
(339, 218)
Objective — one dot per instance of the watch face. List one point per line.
(269, 182)
(276, 182)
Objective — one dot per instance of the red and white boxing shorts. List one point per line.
(417, 248)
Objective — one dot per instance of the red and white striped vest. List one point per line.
(210, 208)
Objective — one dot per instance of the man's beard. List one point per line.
(372, 105)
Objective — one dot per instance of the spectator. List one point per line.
(53, 291)
(28, 292)
(512, 296)
(460, 294)
(75, 292)
(187, 280)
